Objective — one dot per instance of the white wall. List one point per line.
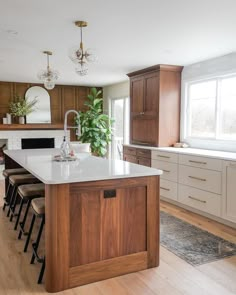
(114, 91)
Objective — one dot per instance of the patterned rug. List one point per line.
(191, 243)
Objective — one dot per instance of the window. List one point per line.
(211, 111)
(119, 110)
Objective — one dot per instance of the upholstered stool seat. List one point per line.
(38, 206)
(8, 172)
(15, 181)
(30, 190)
(27, 192)
(22, 179)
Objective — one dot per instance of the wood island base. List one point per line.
(100, 229)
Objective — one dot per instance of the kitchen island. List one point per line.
(102, 216)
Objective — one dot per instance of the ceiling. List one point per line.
(127, 34)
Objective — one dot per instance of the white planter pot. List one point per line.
(21, 120)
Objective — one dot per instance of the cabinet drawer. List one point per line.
(129, 150)
(130, 158)
(168, 189)
(144, 161)
(199, 199)
(204, 179)
(170, 170)
(144, 153)
(165, 156)
(201, 162)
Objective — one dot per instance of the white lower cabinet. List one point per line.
(201, 182)
(200, 199)
(168, 189)
(204, 179)
(229, 191)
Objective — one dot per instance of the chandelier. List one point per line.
(48, 76)
(79, 56)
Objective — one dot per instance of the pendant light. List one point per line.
(79, 56)
(48, 76)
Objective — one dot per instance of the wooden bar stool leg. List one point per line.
(22, 223)
(30, 233)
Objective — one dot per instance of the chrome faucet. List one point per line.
(65, 146)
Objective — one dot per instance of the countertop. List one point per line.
(191, 151)
(40, 163)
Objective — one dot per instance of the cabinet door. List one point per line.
(229, 195)
(105, 227)
(144, 131)
(137, 96)
(151, 90)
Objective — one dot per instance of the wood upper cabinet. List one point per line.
(155, 105)
(144, 89)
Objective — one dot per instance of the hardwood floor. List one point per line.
(173, 277)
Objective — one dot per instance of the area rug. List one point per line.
(191, 243)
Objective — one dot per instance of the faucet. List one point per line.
(65, 147)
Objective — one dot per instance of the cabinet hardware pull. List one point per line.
(165, 189)
(166, 157)
(197, 162)
(141, 113)
(167, 171)
(196, 199)
(197, 178)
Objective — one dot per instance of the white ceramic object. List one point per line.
(79, 147)
(21, 120)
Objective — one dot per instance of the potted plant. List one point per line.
(96, 127)
(22, 107)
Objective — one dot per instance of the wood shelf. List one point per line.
(31, 126)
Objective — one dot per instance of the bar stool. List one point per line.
(38, 206)
(15, 181)
(7, 173)
(27, 192)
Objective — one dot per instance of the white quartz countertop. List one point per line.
(191, 151)
(39, 162)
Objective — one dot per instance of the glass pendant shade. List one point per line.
(48, 76)
(82, 69)
(81, 57)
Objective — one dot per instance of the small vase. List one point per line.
(21, 120)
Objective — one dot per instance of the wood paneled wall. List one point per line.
(63, 98)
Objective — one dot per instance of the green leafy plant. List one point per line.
(22, 107)
(96, 127)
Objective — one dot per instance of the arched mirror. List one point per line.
(42, 113)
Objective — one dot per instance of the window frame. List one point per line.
(126, 123)
(215, 143)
